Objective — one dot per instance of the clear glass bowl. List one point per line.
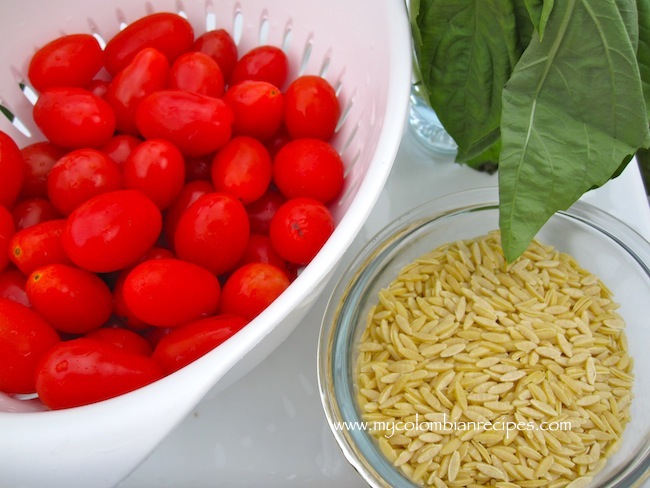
(599, 242)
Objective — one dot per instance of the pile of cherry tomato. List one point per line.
(180, 188)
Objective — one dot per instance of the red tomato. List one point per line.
(219, 45)
(33, 211)
(38, 246)
(262, 63)
(80, 175)
(156, 168)
(7, 230)
(71, 299)
(261, 211)
(169, 292)
(98, 87)
(300, 228)
(311, 108)
(169, 33)
(308, 168)
(260, 250)
(242, 168)
(120, 146)
(188, 195)
(12, 287)
(24, 338)
(39, 159)
(213, 232)
(125, 339)
(74, 117)
(252, 288)
(188, 342)
(145, 74)
(12, 170)
(112, 231)
(198, 168)
(70, 60)
(197, 72)
(84, 371)
(195, 123)
(257, 106)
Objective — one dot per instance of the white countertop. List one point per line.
(269, 430)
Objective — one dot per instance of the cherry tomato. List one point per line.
(125, 339)
(84, 371)
(39, 159)
(300, 228)
(80, 175)
(311, 108)
(12, 286)
(156, 168)
(277, 141)
(262, 63)
(198, 168)
(219, 45)
(195, 123)
(38, 246)
(70, 60)
(7, 230)
(188, 195)
(169, 33)
(74, 117)
(98, 87)
(257, 107)
(120, 146)
(12, 170)
(260, 250)
(213, 232)
(261, 211)
(242, 168)
(308, 168)
(24, 338)
(169, 292)
(145, 74)
(251, 288)
(197, 72)
(71, 299)
(112, 231)
(188, 342)
(32, 211)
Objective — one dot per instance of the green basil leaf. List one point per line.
(561, 131)
(466, 50)
(643, 50)
(539, 12)
(524, 24)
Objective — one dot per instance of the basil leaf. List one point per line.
(563, 133)
(466, 50)
(524, 24)
(539, 11)
(643, 49)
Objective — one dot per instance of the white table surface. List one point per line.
(268, 429)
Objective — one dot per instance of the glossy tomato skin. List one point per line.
(80, 175)
(251, 288)
(38, 246)
(262, 63)
(24, 338)
(257, 108)
(300, 228)
(145, 74)
(169, 33)
(32, 211)
(261, 211)
(120, 146)
(219, 45)
(242, 168)
(213, 232)
(70, 60)
(7, 230)
(190, 341)
(311, 108)
(197, 72)
(84, 371)
(112, 231)
(170, 292)
(71, 299)
(157, 169)
(308, 168)
(74, 118)
(12, 286)
(12, 170)
(125, 339)
(195, 123)
(39, 159)
(260, 250)
(188, 195)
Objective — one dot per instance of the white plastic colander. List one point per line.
(363, 48)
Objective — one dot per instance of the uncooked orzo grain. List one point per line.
(481, 359)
